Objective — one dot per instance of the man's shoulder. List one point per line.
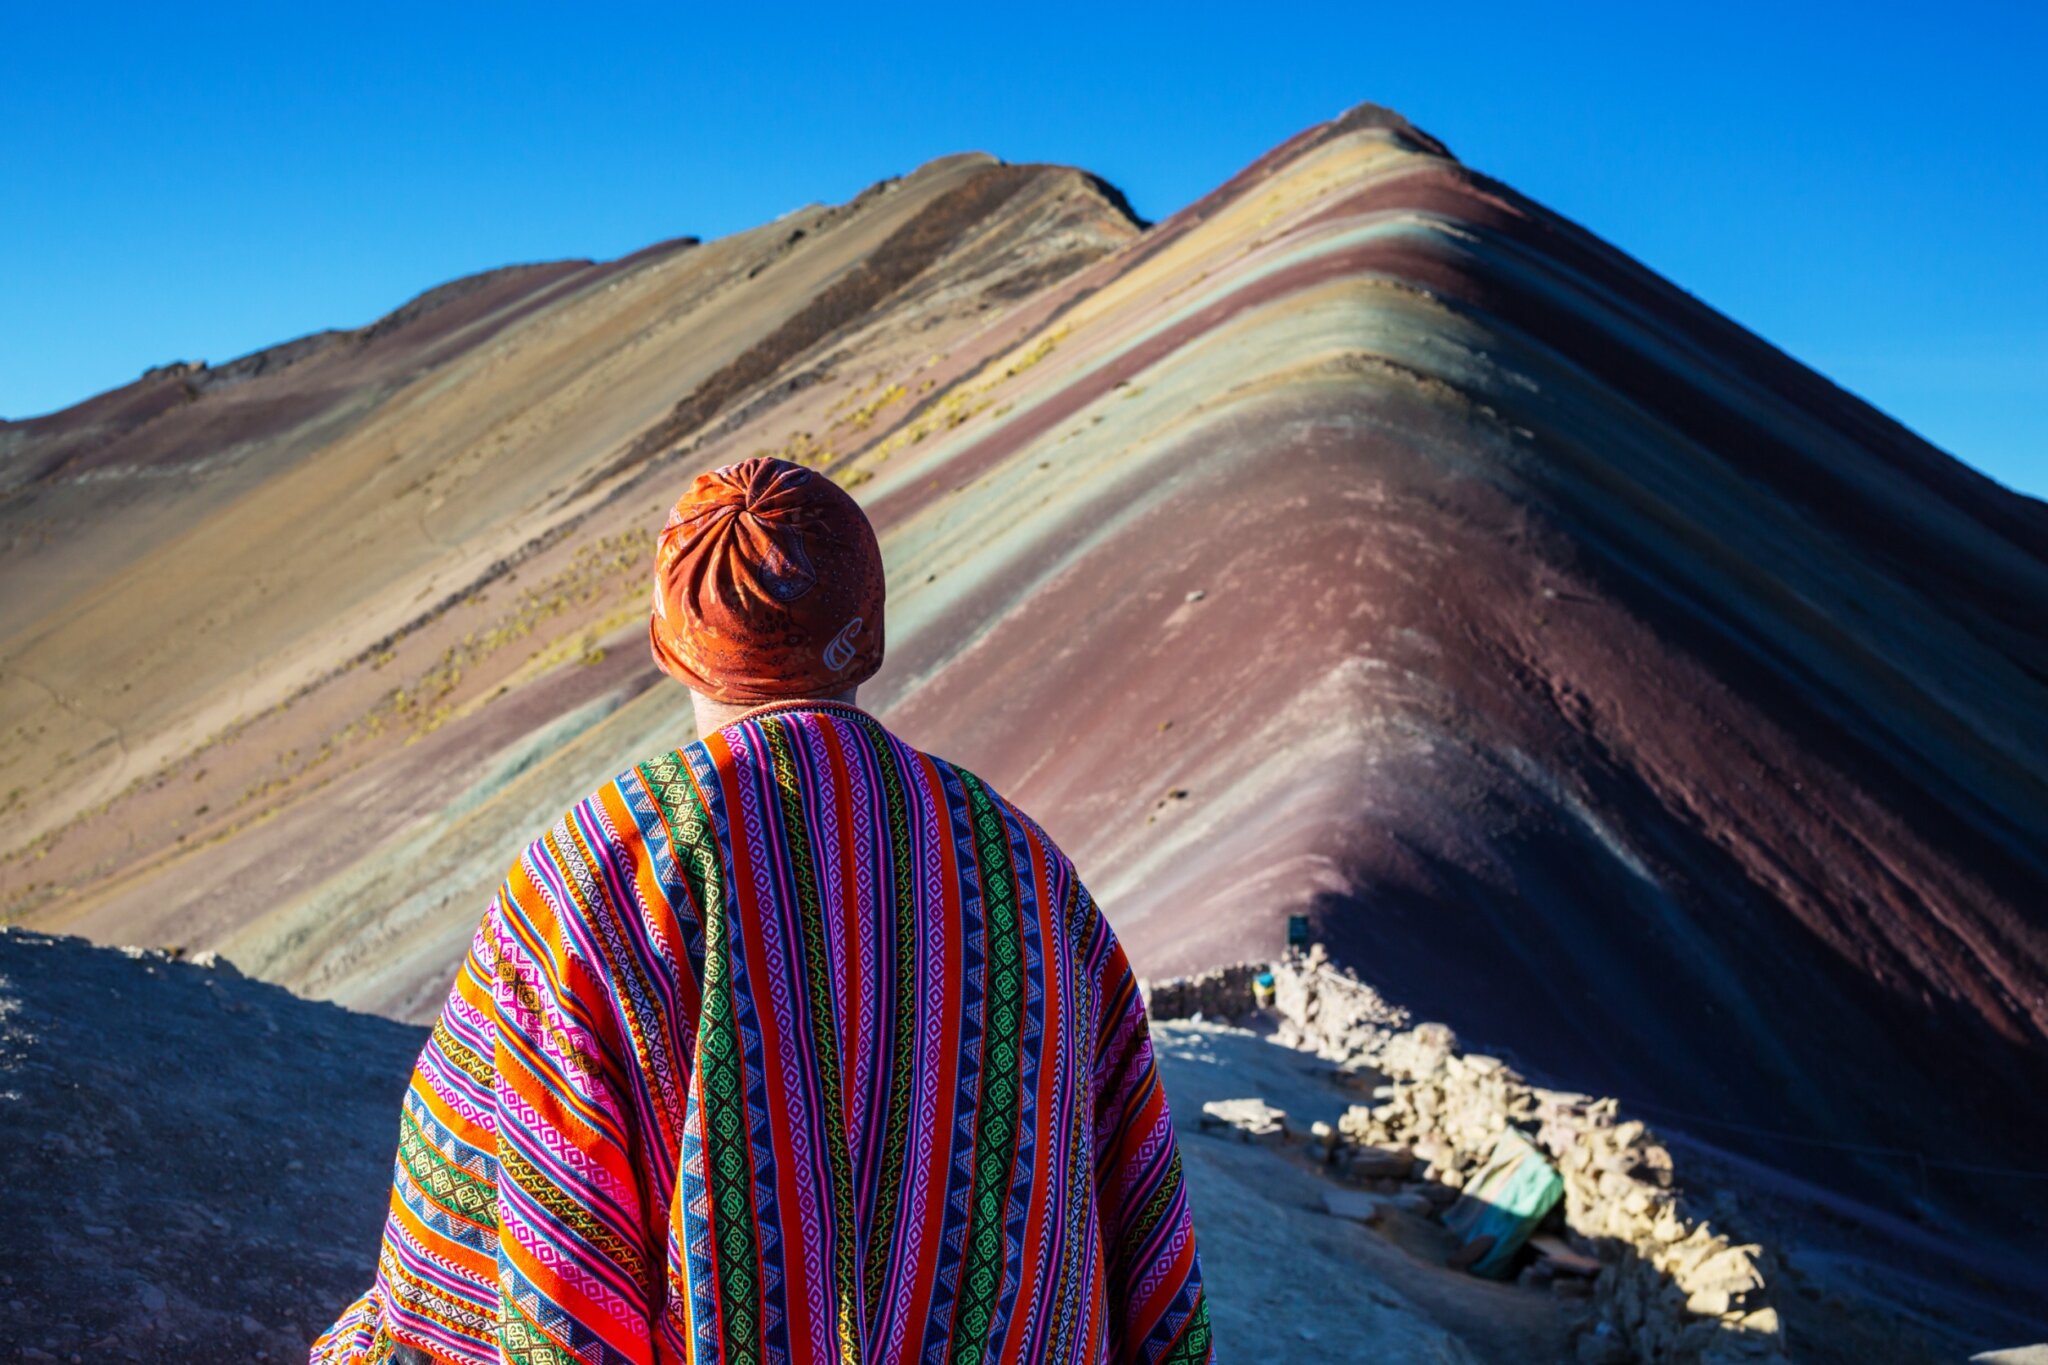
(619, 809)
(654, 784)
(971, 785)
(611, 821)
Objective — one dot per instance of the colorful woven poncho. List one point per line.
(797, 1045)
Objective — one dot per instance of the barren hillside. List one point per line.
(1363, 540)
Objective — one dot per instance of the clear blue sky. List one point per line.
(1864, 184)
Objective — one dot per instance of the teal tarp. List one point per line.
(1504, 1200)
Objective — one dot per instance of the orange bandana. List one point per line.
(767, 585)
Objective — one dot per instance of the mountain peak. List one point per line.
(1363, 542)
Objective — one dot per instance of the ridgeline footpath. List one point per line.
(1652, 1258)
(194, 1166)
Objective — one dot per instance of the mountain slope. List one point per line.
(1363, 540)
(163, 1194)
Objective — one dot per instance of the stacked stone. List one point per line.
(1318, 1008)
(1449, 1115)
(1221, 993)
(1670, 1287)
(1330, 1012)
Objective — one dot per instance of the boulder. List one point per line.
(1249, 1120)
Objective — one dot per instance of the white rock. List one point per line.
(1251, 1120)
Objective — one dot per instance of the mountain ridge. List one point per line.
(1362, 541)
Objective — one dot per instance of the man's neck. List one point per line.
(716, 715)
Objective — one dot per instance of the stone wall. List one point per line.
(1221, 993)
(1330, 1013)
(1670, 1287)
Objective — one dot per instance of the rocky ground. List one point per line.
(191, 1162)
(1290, 1281)
(1662, 1247)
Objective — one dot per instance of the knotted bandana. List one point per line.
(767, 585)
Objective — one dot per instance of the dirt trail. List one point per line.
(168, 1197)
(1287, 1280)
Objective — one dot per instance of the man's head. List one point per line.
(767, 587)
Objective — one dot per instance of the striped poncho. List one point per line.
(796, 1045)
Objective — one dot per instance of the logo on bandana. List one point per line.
(839, 653)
